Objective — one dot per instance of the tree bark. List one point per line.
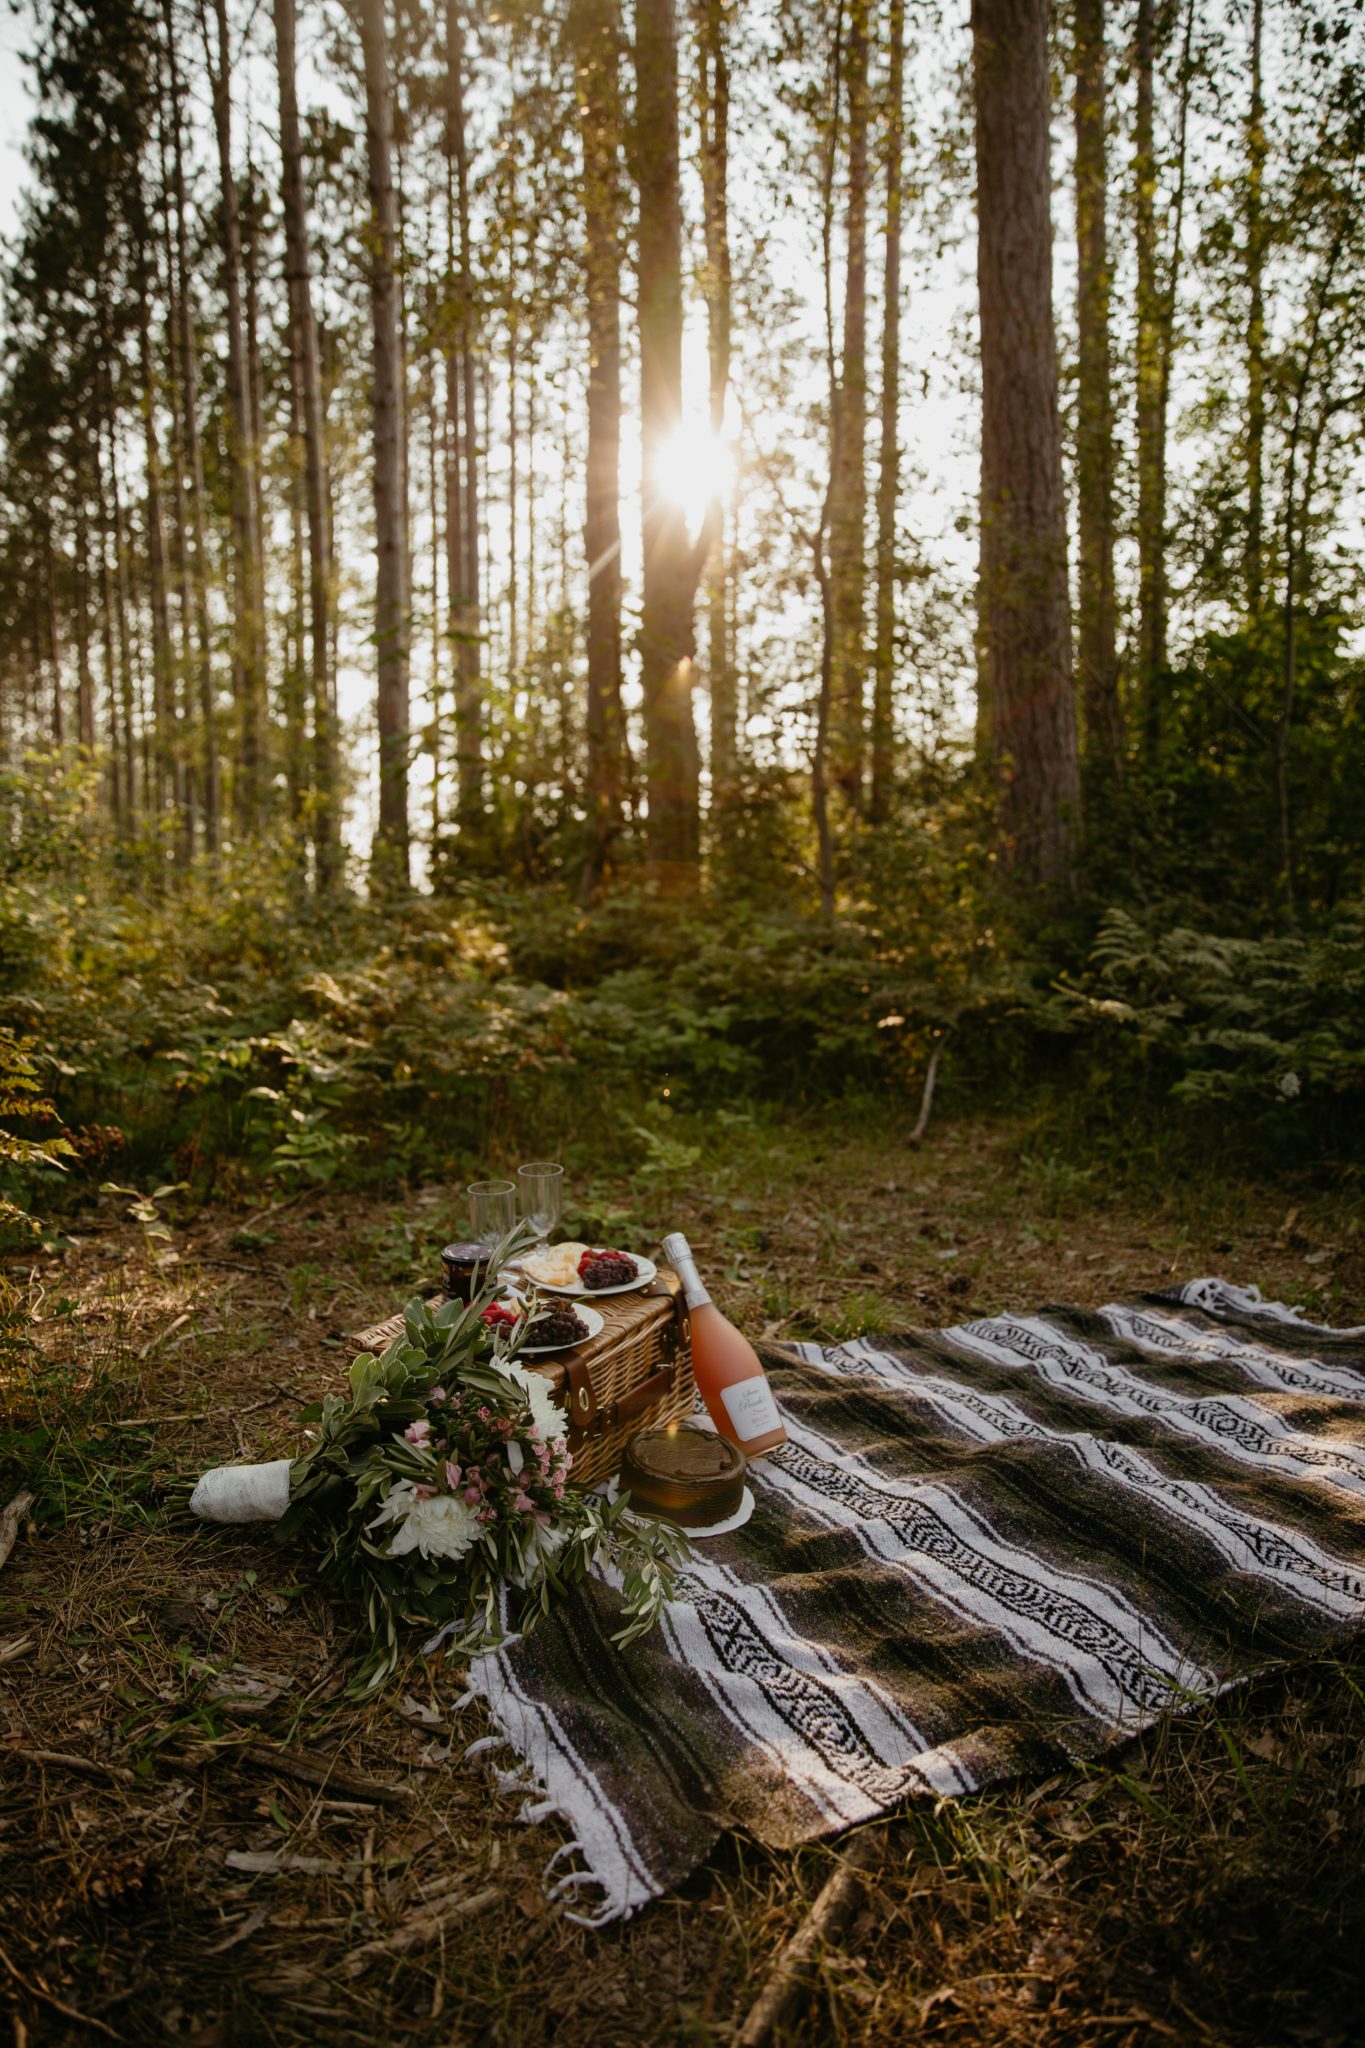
(1255, 279)
(85, 680)
(848, 501)
(713, 108)
(1023, 511)
(888, 474)
(390, 507)
(1150, 423)
(54, 645)
(594, 29)
(248, 649)
(194, 456)
(672, 562)
(462, 489)
(323, 820)
(163, 654)
(1097, 611)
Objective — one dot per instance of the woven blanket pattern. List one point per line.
(983, 1552)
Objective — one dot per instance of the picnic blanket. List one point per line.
(983, 1551)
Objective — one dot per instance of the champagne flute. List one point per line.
(542, 1197)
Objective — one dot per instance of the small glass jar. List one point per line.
(466, 1268)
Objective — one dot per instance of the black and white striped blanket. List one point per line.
(982, 1552)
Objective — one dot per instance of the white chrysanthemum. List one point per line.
(1289, 1085)
(546, 1413)
(440, 1525)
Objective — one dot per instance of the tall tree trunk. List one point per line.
(117, 794)
(163, 651)
(1255, 278)
(1150, 423)
(323, 815)
(595, 37)
(390, 506)
(85, 680)
(248, 651)
(713, 109)
(848, 500)
(888, 475)
(1023, 509)
(462, 497)
(1097, 620)
(54, 645)
(513, 580)
(194, 456)
(133, 785)
(672, 562)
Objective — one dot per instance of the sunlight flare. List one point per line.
(694, 466)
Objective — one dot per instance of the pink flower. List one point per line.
(543, 1520)
(437, 1394)
(423, 1492)
(418, 1432)
(473, 1494)
(523, 1503)
(452, 1475)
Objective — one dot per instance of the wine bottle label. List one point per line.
(751, 1408)
(678, 1252)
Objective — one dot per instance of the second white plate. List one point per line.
(588, 1315)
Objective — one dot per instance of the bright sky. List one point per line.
(14, 113)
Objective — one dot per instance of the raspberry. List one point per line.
(607, 1269)
(498, 1316)
(561, 1327)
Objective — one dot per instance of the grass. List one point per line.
(1201, 1886)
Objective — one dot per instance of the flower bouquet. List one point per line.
(447, 1475)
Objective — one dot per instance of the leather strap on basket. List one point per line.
(667, 1284)
(635, 1401)
(580, 1402)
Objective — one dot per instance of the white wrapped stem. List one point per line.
(243, 1493)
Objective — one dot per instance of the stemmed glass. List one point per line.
(542, 1197)
(492, 1210)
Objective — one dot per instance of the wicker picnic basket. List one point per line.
(635, 1374)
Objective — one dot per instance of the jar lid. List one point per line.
(466, 1255)
(684, 1474)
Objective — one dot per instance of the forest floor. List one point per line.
(1202, 1886)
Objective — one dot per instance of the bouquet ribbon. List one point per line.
(243, 1493)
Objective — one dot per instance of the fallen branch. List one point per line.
(424, 1930)
(296, 1764)
(310, 1770)
(69, 2012)
(88, 1766)
(927, 1099)
(833, 1904)
(10, 1520)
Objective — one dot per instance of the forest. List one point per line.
(762, 598)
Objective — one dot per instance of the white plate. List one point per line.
(579, 1292)
(589, 1316)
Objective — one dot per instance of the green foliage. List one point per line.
(1244, 1022)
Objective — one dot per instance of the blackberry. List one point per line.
(607, 1269)
(561, 1327)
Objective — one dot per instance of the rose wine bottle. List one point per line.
(729, 1376)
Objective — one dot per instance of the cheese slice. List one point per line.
(555, 1267)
